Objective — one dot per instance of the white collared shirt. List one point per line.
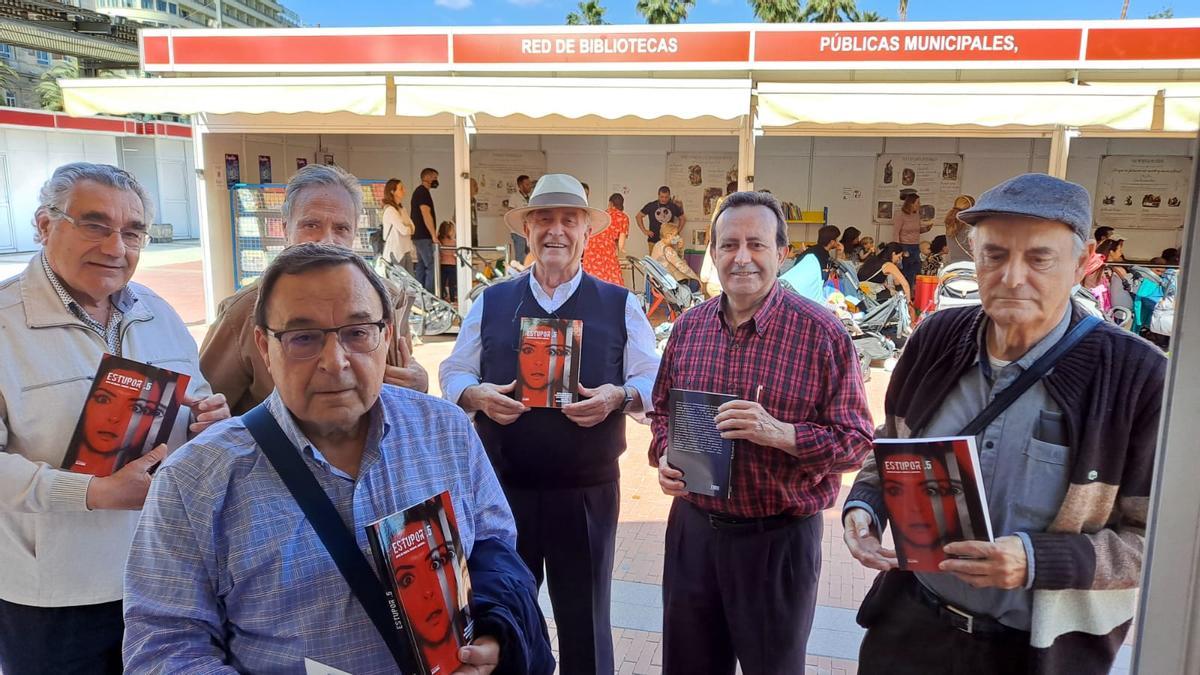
(462, 368)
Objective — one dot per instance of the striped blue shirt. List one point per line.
(225, 573)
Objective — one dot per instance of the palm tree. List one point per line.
(591, 13)
(1124, 9)
(904, 9)
(48, 90)
(830, 11)
(8, 75)
(867, 17)
(776, 11)
(664, 11)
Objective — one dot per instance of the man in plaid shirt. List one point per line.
(740, 574)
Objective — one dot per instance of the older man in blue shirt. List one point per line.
(226, 573)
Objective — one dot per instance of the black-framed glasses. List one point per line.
(133, 239)
(303, 344)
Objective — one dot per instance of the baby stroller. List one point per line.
(957, 286)
(430, 314)
(664, 289)
(887, 318)
(470, 256)
(1154, 305)
(804, 279)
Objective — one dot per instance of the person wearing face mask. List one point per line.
(425, 216)
(666, 251)
(321, 204)
(559, 466)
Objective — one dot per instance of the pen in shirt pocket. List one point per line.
(758, 390)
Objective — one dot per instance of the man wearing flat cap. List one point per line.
(558, 466)
(1065, 412)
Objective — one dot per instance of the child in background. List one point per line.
(448, 242)
(864, 250)
(667, 252)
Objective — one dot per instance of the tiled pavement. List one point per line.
(174, 272)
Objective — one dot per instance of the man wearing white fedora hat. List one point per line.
(558, 466)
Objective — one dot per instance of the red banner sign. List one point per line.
(579, 50)
(666, 47)
(1143, 44)
(251, 50)
(968, 44)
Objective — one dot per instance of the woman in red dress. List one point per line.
(600, 258)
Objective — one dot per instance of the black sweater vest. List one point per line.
(542, 448)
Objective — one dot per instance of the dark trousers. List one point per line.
(449, 283)
(906, 637)
(568, 537)
(61, 640)
(738, 594)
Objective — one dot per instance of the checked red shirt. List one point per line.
(805, 361)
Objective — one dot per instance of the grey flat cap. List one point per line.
(1036, 195)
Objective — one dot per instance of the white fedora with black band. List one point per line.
(557, 191)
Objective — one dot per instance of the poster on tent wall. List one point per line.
(936, 177)
(496, 173)
(1136, 191)
(698, 180)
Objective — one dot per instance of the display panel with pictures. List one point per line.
(1143, 191)
(258, 236)
(937, 178)
(698, 180)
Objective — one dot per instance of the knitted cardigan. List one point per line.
(1088, 562)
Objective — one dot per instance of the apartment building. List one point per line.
(29, 64)
(199, 13)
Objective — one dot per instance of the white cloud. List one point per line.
(453, 4)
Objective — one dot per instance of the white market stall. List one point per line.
(813, 112)
(803, 110)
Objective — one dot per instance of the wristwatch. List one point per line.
(628, 397)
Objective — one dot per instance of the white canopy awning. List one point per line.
(187, 96)
(1181, 107)
(987, 105)
(572, 98)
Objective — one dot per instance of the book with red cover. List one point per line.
(130, 409)
(548, 362)
(934, 496)
(420, 557)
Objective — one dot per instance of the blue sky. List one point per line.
(549, 12)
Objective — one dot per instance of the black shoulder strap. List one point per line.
(1027, 378)
(334, 534)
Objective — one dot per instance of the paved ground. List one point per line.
(173, 271)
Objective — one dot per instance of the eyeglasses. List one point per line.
(133, 239)
(303, 344)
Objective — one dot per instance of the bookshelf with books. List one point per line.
(803, 225)
(255, 211)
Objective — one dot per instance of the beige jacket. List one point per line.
(230, 360)
(53, 551)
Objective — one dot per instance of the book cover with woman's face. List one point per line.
(430, 578)
(130, 408)
(548, 362)
(933, 498)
